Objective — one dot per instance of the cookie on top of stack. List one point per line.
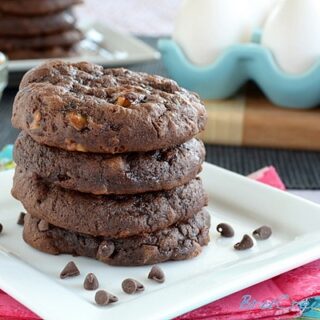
(107, 164)
(36, 29)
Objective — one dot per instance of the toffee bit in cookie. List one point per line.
(225, 230)
(43, 226)
(77, 120)
(70, 270)
(20, 221)
(104, 298)
(91, 282)
(244, 244)
(36, 120)
(1, 227)
(73, 146)
(131, 286)
(262, 233)
(156, 274)
(123, 102)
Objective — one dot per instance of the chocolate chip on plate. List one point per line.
(20, 221)
(1, 227)
(91, 282)
(225, 230)
(156, 274)
(245, 243)
(262, 233)
(103, 298)
(131, 286)
(70, 270)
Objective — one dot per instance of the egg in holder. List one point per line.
(239, 64)
(3, 73)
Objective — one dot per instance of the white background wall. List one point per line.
(144, 17)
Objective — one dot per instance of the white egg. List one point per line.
(292, 33)
(205, 28)
(260, 11)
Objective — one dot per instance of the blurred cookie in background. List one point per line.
(47, 29)
(37, 25)
(42, 53)
(61, 39)
(35, 7)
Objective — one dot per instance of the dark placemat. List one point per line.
(298, 169)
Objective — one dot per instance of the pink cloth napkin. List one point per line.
(276, 298)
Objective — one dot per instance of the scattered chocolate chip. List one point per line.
(105, 250)
(1, 227)
(20, 221)
(91, 282)
(262, 233)
(225, 230)
(103, 298)
(43, 226)
(131, 286)
(245, 243)
(156, 274)
(70, 270)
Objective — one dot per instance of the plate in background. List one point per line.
(101, 45)
(32, 277)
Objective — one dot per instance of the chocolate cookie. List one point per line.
(83, 107)
(97, 173)
(34, 26)
(45, 53)
(35, 7)
(110, 216)
(62, 39)
(179, 242)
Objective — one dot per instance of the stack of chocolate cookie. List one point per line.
(107, 164)
(36, 29)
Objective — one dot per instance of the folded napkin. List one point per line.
(6, 161)
(283, 297)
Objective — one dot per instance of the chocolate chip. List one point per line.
(245, 243)
(70, 270)
(20, 221)
(131, 286)
(105, 250)
(1, 227)
(91, 282)
(156, 274)
(103, 298)
(262, 233)
(43, 226)
(225, 230)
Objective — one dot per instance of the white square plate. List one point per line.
(33, 277)
(103, 46)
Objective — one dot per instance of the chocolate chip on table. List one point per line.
(20, 221)
(91, 282)
(262, 233)
(156, 274)
(1, 227)
(70, 270)
(244, 244)
(131, 286)
(225, 230)
(103, 298)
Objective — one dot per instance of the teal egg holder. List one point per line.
(237, 65)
